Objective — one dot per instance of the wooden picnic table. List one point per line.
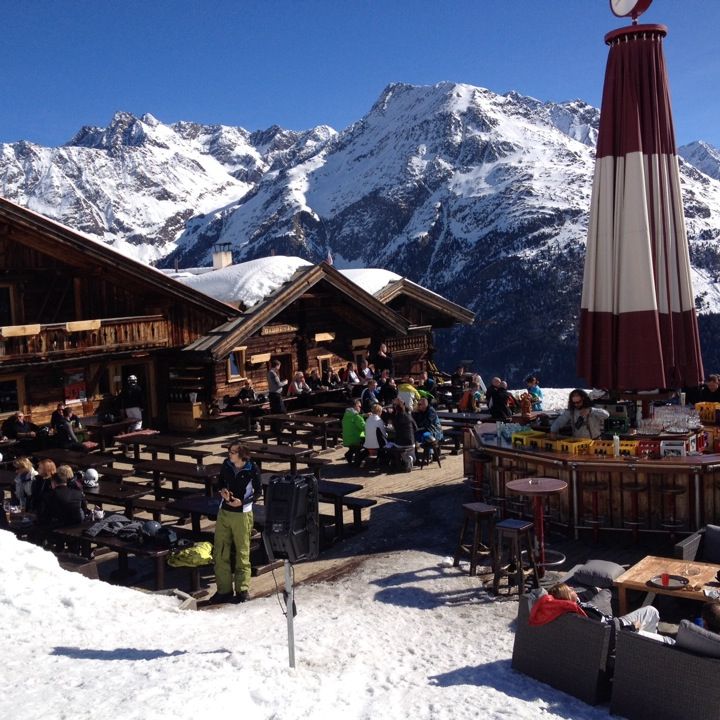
(641, 576)
(122, 547)
(465, 418)
(208, 506)
(294, 422)
(123, 494)
(331, 408)
(77, 459)
(103, 432)
(335, 493)
(155, 443)
(281, 453)
(175, 470)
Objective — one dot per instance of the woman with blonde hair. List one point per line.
(24, 476)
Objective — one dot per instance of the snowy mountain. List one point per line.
(481, 197)
(703, 156)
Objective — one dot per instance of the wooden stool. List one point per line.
(594, 487)
(477, 513)
(669, 492)
(514, 533)
(430, 451)
(634, 521)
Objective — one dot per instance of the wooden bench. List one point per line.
(196, 454)
(357, 504)
(454, 437)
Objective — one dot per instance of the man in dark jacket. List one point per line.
(428, 423)
(239, 486)
(62, 506)
(64, 434)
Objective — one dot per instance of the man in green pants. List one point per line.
(239, 485)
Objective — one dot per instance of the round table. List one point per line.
(537, 488)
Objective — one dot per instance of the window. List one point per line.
(324, 362)
(10, 394)
(6, 305)
(236, 364)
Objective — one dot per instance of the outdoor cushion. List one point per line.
(711, 544)
(598, 573)
(698, 640)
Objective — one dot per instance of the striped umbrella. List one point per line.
(638, 327)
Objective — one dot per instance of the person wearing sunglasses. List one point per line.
(584, 420)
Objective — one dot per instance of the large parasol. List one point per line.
(638, 327)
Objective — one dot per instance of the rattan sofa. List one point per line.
(653, 681)
(569, 653)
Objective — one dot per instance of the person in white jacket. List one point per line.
(375, 430)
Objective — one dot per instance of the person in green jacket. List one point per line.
(353, 430)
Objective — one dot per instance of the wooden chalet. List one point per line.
(77, 317)
(318, 318)
(426, 311)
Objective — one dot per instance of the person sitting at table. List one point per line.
(247, 393)
(403, 424)
(427, 383)
(364, 371)
(330, 379)
(16, 427)
(562, 599)
(375, 434)
(585, 421)
(470, 400)
(65, 437)
(239, 486)
(428, 422)
(498, 401)
(314, 380)
(408, 393)
(41, 485)
(387, 391)
(369, 396)
(298, 386)
(536, 394)
(24, 475)
(62, 505)
(353, 432)
(350, 377)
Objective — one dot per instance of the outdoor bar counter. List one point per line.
(639, 494)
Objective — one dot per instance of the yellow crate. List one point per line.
(603, 447)
(628, 448)
(550, 445)
(526, 439)
(575, 446)
(707, 411)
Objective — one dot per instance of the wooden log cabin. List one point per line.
(77, 317)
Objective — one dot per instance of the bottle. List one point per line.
(616, 446)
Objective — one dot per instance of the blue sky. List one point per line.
(254, 63)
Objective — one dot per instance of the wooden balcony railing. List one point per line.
(83, 337)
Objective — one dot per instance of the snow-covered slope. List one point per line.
(479, 196)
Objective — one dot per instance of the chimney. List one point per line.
(222, 256)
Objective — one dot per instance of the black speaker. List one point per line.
(292, 527)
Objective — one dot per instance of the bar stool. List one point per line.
(669, 492)
(634, 521)
(593, 486)
(510, 535)
(430, 451)
(478, 514)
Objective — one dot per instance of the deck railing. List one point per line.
(82, 337)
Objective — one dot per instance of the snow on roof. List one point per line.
(371, 280)
(248, 282)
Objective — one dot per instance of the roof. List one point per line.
(53, 238)
(221, 340)
(423, 296)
